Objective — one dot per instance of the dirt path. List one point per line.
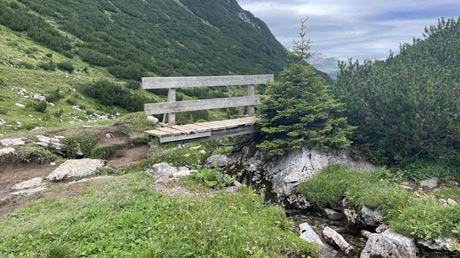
(11, 174)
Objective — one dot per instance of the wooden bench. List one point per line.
(171, 132)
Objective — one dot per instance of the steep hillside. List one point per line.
(164, 37)
(52, 50)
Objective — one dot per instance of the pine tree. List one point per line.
(301, 111)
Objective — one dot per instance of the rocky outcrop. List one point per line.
(372, 218)
(390, 245)
(439, 244)
(76, 168)
(286, 173)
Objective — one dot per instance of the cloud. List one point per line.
(352, 28)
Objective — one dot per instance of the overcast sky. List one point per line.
(352, 28)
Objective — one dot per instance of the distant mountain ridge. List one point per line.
(325, 64)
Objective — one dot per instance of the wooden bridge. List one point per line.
(170, 132)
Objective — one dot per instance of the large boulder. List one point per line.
(390, 245)
(286, 173)
(76, 168)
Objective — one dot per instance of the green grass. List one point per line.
(124, 217)
(416, 214)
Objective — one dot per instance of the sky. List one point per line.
(352, 28)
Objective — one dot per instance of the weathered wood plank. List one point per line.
(184, 137)
(202, 104)
(204, 81)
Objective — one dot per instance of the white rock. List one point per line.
(76, 168)
(430, 183)
(162, 169)
(32, 183)
(390, 245)
(2, 122)
(372, 218)
(20, 105)
(438, 244)
(452, 202)
(12, 142)
(89, 179)
(336, 239)
(153, 119)
(309, 235)
(7, 150)
(30, 191)
(333, 215)
(109, 135)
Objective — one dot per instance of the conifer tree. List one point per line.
(301, 110)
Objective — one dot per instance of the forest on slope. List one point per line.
(161, 37)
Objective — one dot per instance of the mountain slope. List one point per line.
(132, 38)
(325, 64)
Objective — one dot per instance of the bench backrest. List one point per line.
(172, 83)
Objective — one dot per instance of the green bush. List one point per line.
(111, 94)
(134, 85)
(180, 155)
(29, 154)
(47, 66)
(78, 146)
(422, 169)
(213, 178)
(328, 187)
(427, 220)
(104, 152)
(40, 106)
(66, 66)
(54, 96)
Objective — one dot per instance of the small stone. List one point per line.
(12, 142)
(443, 201)
(20, 105)
(7, 150)
(336, 239)
(30, 191)
(381, 228)
(334, 215)
(429, 184)
(372, 218)
(309, 235)
(32, 183)
(452, 202)
(153, 119)
(109, 135)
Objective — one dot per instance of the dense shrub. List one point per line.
(54, 96)
(407, 107)
(40, 106)
(47, 66)
(213, 178)
(66, 66)
(78, 146)
(112, 94)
